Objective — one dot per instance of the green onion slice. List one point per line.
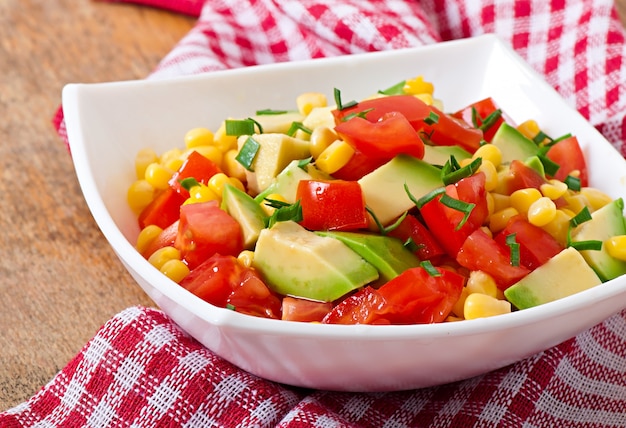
(247, 153)
(270, 112)
(428, 267)
(397, 89)
(432, 118)
(456, 204)
(303, 163)
(587, 245)
(188, 183)
(513, 245)
(283, 212)
(549, 166)
(237, 127)
(410, 245)
(385, 229)
(490, 120)
(340, 105)
(453, 172)
(573, 183)
(583, 216)
(419, 203)
(295, 126)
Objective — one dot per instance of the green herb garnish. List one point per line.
(247, 153)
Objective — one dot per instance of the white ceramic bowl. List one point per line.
(108, 123)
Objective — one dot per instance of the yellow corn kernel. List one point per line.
(616, 247)
(235, 182)
(232, 167)
(481, 282)
(522, 199)
(158, 176)
(334, 157)
(452, 318)
(457, 308)
(559, 226)
(139, 195)
(198, 137)
(529, 129)
(541, 212)
(175, 270)
(491, 175)
(499, 219)
(210, 152)
(465, 162)
(490, 203)
(169, 155)
(174, 164)
(162, 255)
(490, 153)
(217, 182)
(143, 158)
(147, 235)
(418, 85)
(275, 197)
(596, 198)
(321, 138)
(553, 189)
(500, 201)
(201, 193)
(309, 100)
(479, 305)
(487, 231)
(245, 258)
(577, 202)
(425, 98)
(223, 141)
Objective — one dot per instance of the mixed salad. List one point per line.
(383, 211)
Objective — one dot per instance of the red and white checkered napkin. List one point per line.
(141, 370)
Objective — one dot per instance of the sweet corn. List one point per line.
(223, 141)
(542, 211)
(499, 219)
(175, 269)
(490, 203)
(309, 100)
(198, 137)
(457, 308)
(273, 196)
(418, 85)
(500, 201)
(490, 153)
(147, 235)
(553, 189)
(158, 176)
(481, 282)
(212, 153)
(616, 247)
(577, 202)
(321, 138)
(162, 255)
(139, 195)
(425, 98)
(522, 199)
(559, 226)
(245, 258)
(334, 157)
(174, 154)
(217, 183)
(201, 193)
(479, 305)
(491, 175)
(595, 197)
(143, 158)
(232, 167)
(529, 128)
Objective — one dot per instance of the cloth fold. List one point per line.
(140, 369)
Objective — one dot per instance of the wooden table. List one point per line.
(59, 280)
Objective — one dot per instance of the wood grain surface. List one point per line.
(59, 280)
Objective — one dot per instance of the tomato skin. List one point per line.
(536, 246)
(483, 109)
(520, 176)
(366, 306)
(195, 166)
(166, 238)
(221, 280)
(204, 230)
(303, 310)
(358, 166)
(481, 252)
(569, 155)
(332, 205)
(443, 221)
(163, 210)
(391, 135)
(427, 247)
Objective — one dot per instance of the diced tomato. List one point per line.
(440, 128)
(481, 252)
(332, 205)
(475, 113)
(425, 244)
(295, 309)
(204, 230)
(536, 246)
(413, 297)
(221, 280)
(163, 210)
(358, 166)
(195, 166)
(391, 135)
(569, 155)
(443, 221)
(520, 176)
(166, 238)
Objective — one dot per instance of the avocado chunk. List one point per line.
(278, 123)
(385, 253)
(296, 262)
(439, 155)
(605, 222)
(383, 188)
(274, 154)
(565, 274)
(513, 144)
(286, 183)
(246, 211)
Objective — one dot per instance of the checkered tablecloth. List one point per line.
(141, 370)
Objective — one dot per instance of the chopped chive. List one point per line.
(458, 205)
(549, 166)
(475, 117)
(453, 172)
(385, 229)
(360, 114)
(583, 216)
(230, 306)
(410, 245)
(295, 126)
(562, 137)
(573, 183)
(432, 118)
(303, 163)
(188, 183)
(257, 124)
(428, 267)
(513, 245)
(237, 127)
(540, 137)
(586, 245)
(490, 120)
(283, 212)
(397, 89)
(270, 112)
(419, 203)
(340, 105)
(247, 153)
